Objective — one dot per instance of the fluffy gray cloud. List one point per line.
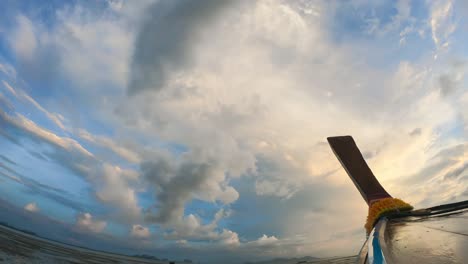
(177, 183)
(140, 231)
(87, 222)
(160, 52)
(258, 94)
(231, 102)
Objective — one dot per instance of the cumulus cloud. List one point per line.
(266, 240)
(176, 183)
(171, 51)
(233, 101)
(229, 238)
(112, 187)
(261, 96)
(191, 228)
(139, 231)
(85, 221)
(31, 207)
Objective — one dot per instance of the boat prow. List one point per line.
(396, 233)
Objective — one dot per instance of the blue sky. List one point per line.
(199, 128)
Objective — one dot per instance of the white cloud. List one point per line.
(441, 22)
(229, 238)
(112, 186)
(31, 207)
(28, 125)
(190, 228)
(9, 88)
(261, 81)
(91, 51)
(86, 222)
(107, 142)
(107, 41)
(54, 117)
(251, 96)
(8, 70)
(24, 40)
(266, 240)
(139, 231)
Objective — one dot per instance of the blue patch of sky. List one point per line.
(205, 210)
(460, 37)
(350, 28)
(246, 218)
(44, 11)
(6, 54)
(352, 20)
(145, 199)
(21, 195)
(117, 229)
(43, 171)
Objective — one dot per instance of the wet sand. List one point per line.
(18, 247)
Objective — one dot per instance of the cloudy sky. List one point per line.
(198, 128)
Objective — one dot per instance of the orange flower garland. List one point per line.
(384, 206)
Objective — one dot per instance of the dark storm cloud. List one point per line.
(166, 39)
(174, 186)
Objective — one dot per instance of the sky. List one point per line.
(197, 129)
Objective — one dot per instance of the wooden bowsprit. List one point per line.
(396, 234)
(353, 162)
(377, 198)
